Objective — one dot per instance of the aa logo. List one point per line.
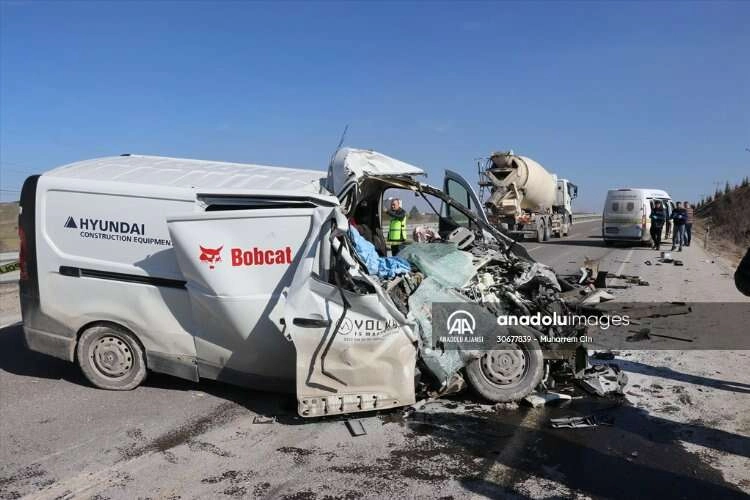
(461, 323)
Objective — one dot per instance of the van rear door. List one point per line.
(623, 217)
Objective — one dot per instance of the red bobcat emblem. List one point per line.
(210, 256)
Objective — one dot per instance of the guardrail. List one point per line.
(585, 217)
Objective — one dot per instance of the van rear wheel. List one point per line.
(111, 358)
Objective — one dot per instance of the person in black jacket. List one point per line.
(658, 218)
(679, 216)
(742, 275)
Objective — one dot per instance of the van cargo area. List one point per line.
(254, 275)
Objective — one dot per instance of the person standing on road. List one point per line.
(679, 216)
(658, 218)
(668, 215)
(690, 212)
(396, 226)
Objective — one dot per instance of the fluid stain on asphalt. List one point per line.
(221, 415)
(30, 475)
(300, 454)
(640, 455)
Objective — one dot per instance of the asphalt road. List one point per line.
(61, 438)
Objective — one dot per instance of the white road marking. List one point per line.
(625, 261)
(532, 249)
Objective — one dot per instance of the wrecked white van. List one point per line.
(249, 274)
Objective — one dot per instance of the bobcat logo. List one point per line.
(210, 256)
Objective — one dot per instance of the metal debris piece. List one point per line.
(678, 263)
(657, 310)
(605, 355)
(641, 334)
(602, 379)
(671, 337)
(648, 262)
(598, 296)
(537, 399)
(581, 422)
(261, 419)
(356, 428)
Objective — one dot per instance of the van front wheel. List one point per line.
(507, 374)
(111, 358)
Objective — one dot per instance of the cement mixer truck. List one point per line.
(524, 199)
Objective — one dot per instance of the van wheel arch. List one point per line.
(100, 340)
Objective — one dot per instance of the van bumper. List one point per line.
(609, 237)
(51, 344)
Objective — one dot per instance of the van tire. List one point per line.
(490, 377)
(111, 358)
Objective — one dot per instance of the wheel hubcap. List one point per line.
(112, 356)
(504, 367)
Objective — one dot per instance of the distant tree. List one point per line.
(413, 212)
(727, 189)
(745, 182)
(709, 199)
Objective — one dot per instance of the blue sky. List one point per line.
(606, 94)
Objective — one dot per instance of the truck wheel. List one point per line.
(111, 358)
(539, 232)
(504, 375)
(547, 231)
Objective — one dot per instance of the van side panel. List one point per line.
(237, 265)
(106, 256)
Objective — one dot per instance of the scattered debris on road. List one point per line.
(641, 334)
(261, 419)
(581, 422)
(537, 399)
(356, 428)
(602, 380)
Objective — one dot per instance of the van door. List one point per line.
(354, 352)
(237, 264)
(455, 186)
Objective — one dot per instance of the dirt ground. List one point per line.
(10, 308)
